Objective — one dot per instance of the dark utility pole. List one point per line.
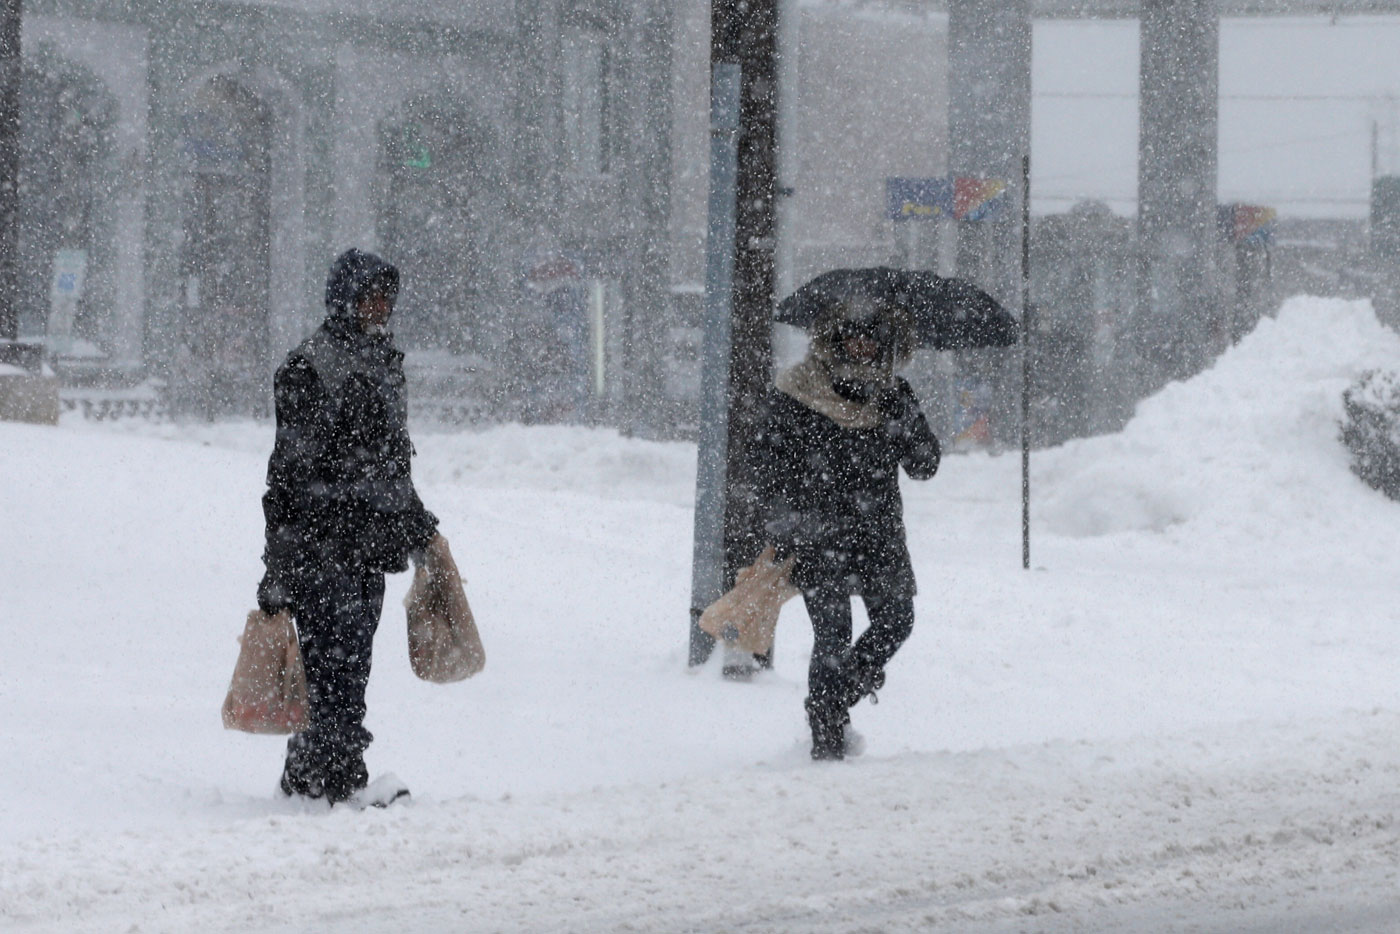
(745, 33)
(743, 38)
(9, 173)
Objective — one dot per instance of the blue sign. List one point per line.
(918, 198)
(213, 142)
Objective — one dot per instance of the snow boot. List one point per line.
(302, 775)
(860, 679)
(321, 765)
(828, 723)
(346, 780)
(295, 784)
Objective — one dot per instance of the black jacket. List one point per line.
(339, 487)
(831, 494)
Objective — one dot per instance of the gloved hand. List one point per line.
(898, 403)
(273, 595)
(906, 425)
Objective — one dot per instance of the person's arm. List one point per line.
(376, 501)
(291, 505)
(919, 448)
(420, 531)
(775, 472)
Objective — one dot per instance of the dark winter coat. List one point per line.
(339, 488)
(830, 494)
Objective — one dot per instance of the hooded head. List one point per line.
(353, 275)
(862, 338)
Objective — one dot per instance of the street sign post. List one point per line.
(708, 560)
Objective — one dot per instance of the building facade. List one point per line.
(189, 170)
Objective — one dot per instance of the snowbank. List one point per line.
(1245, 452)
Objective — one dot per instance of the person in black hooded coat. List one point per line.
(341, 512)
(835, 432)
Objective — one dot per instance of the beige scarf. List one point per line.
(809, 382)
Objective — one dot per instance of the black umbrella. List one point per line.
(949, 314)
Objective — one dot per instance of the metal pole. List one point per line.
(9, 166)
(1375, 148)
(707, 581)
(1026, 362)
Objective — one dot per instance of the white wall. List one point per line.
(866, 98)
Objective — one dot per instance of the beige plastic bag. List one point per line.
(443, 642)
(747, 615)
(268, 691)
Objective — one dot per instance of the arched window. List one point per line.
(65, 142)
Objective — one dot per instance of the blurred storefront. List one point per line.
(190, 169)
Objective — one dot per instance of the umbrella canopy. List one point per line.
(948, 314)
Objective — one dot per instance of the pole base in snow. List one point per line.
(743, 671)
(740, 665)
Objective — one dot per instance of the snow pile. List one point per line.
(1239, 453)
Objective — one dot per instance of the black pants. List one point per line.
(829, 606)
(337, 612)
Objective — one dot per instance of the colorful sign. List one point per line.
(972, 405)
(978, 199)
(918, 198)
(1247, 223)
(69, 274)
(65, 291)
(964, 199)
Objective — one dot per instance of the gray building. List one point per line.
(190, 168)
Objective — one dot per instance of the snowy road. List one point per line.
(1187, 718)
(1227, 830)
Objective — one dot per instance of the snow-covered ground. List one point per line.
(1185, 717)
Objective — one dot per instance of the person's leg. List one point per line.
(336, 618)
(891, 621)
(830, 611)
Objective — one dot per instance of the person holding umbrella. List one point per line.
(836, 431)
